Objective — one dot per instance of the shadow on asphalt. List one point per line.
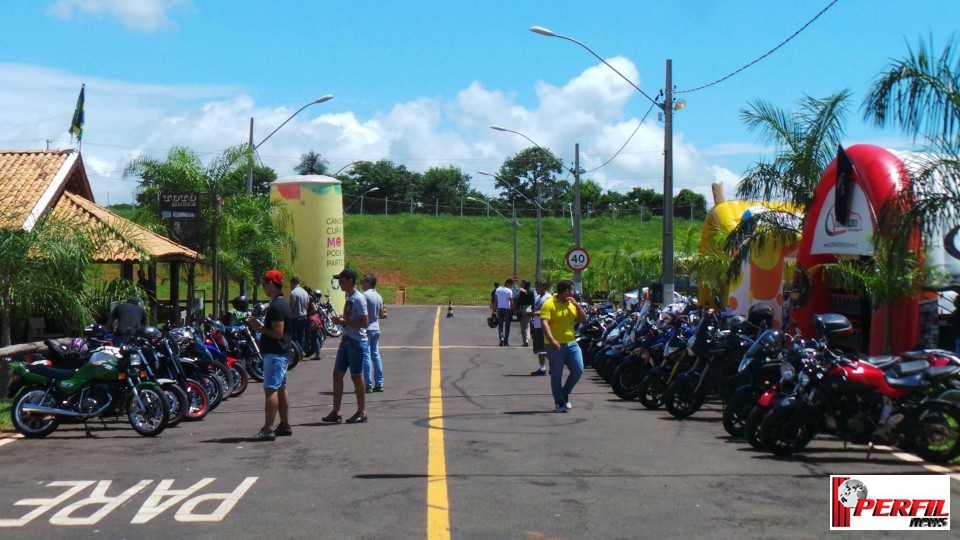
(528, 412)
(230, 440)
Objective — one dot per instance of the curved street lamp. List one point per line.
(515, 225)
(539, 267)
(667, 275)
(253, 148)
(371, 190)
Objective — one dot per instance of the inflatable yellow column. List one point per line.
(316, 205)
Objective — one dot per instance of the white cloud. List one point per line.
(124, 120)
(140, 15)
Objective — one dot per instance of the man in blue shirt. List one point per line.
(373, 366)
(354, 348)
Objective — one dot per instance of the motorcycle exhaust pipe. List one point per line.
(30, 408)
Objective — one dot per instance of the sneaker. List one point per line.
(541, 371)
(501, 343)
(283, 430)
(568, 406)
(357, 418)
(506, 343)
(265, 435)
(525, 344)
(560, 408)
(369, 390)
(333, 418)
(378, 389)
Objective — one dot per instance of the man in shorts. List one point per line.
(276, 346)
(353, 350)
(536, 330)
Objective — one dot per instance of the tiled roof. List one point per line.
(120, 240)
(32, 180)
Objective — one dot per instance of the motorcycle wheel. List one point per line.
(33, 425)
(239, 379)
(751, 428)
(214, 389)
(787, 430)
(331, 329)
(150, 418)
(935, 437)
(178, 403)
(611, 366)
(682, 399)
(651, 389)
(736, 410)
(198, 405)
(295, 358)
(225, 375)
(255, 367)
(626, 380)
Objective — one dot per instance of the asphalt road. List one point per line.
(514, 468)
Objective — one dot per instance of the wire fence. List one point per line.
(472, 208)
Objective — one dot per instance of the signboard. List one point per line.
(181, 213)
(578, 259)
(832, 236)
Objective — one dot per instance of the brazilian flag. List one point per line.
(76, 126)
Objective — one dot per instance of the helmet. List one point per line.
(760, 315)
(492, 321)
(95, 331)
(182, 335)
(77, 347)
(151, 334)
(735, 323)
(240, 303)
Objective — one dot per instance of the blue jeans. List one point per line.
(274, 371)
(318, 338)
(372, 364)
(504, 316)
(351, 354)
(568, 355)
(298, 330)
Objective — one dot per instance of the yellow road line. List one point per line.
(438, 503)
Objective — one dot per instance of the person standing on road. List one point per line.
(536, 327)
(525, 307)
(128, 316)
(299, 299)
(373, 366)
(557, 316)
(354, 348)
(504, 302)
(277, 348)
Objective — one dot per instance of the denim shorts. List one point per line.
(274, 371)
(351, 353)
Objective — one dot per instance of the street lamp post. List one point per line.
(253, 148)
(371, 190)
(515, 225)
(539, 208)
(667, 275)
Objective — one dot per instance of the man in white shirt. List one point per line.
(504, 296)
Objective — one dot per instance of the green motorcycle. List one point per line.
(108, 385)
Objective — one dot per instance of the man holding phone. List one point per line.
(557, 317)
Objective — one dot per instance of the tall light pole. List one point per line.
(515, 225)
(667, 277)
(577, 275)
(371, 190)
(253, 148)
(539, 208)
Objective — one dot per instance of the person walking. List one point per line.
(525, 307)
(128, 317)
(373, 366)
(315, 336)
(504, 303)
(299, 299)
(276, 347)
(557, 316)
(536, 328)
(353, 349)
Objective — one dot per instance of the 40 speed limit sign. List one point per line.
(578, 259)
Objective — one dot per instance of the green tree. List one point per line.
(449, 184)
(686, 199)
(392, 181)
(920, 93)
(526, 171)
(312, 163)
(804, 144)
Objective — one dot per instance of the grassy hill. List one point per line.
(453, 259)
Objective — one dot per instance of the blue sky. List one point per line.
(420, 82)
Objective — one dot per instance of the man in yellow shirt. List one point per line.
(557, 316)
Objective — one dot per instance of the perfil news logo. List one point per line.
(889, 502)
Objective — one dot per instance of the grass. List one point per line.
(5, 424)
(452, 259)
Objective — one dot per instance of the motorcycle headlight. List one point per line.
(136, 360)
(803, 379)
(787, 372)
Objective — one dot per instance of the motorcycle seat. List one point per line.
(52, 372)
(936, 373)
(883, 362)
(909, 382)
(912, 367)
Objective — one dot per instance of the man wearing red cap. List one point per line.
(277, 348)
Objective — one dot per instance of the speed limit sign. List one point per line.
(578, 259)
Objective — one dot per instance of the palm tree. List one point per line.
(921, 94)
(805, 142)
(312, 163)
(43, 271)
